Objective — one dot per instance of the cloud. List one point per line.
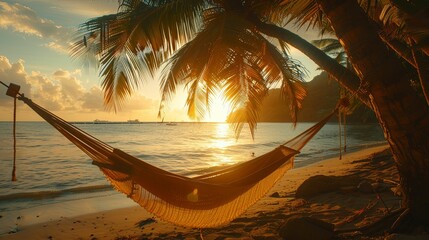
(84, 8)
(45, 92)
(63, 92)
(140, 102)
(60, 48)
(12, 73)
(23, 19)
(93, 100)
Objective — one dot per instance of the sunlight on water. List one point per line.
(224, 160)
(222, 137)
(220, 142)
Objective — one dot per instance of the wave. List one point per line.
(55, 193)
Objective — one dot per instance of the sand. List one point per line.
(346, 208)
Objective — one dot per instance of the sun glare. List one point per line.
(221, 141)
(219, 109)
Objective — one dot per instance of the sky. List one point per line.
(34, 40)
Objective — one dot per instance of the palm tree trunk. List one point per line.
(403, 116)
(422, 66)
(344, 76)
(416, 59)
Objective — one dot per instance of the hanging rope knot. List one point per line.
(13, 90)
(343, 103)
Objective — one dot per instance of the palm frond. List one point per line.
(196, 100)
(333, 48)
(245, 88)
(224, 56)
(121, 41)
(304, 13)
(328, 44)
(410, 21)
(291, 76)
(194, 63)
(206, 55)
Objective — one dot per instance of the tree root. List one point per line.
(379, 227)
(407, 223)
(398, 221)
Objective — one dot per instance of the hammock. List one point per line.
(204, 201)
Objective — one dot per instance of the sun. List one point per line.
(219, 109)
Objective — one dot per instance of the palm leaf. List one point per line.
(117, 41)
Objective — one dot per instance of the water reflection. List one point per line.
(220, 143)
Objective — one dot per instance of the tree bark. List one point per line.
(422, 66)
(344, 76)
(401, 49)
(403, 116)
(416, 59)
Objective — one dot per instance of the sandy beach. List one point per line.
(348, 206)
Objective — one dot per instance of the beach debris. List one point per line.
(306, 228)
(298, 202)
(14, 230)
(397, 191)
(319, 184)
(275, 195)
(145, 222)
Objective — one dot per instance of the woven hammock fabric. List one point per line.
(205, 201)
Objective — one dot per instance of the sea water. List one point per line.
(51, 170)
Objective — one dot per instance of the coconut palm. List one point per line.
(155, 29)
(226, 46)
(403, 115)
(222, 52)
(409, 24)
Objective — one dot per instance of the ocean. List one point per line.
(51, 170)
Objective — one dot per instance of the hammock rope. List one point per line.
(204, 201)
(13, 91)
(14, 141)
(339, 135)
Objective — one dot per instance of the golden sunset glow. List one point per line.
(219, 109)
(221, 142)
(222, 138)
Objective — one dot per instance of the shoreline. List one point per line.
(105, 223)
